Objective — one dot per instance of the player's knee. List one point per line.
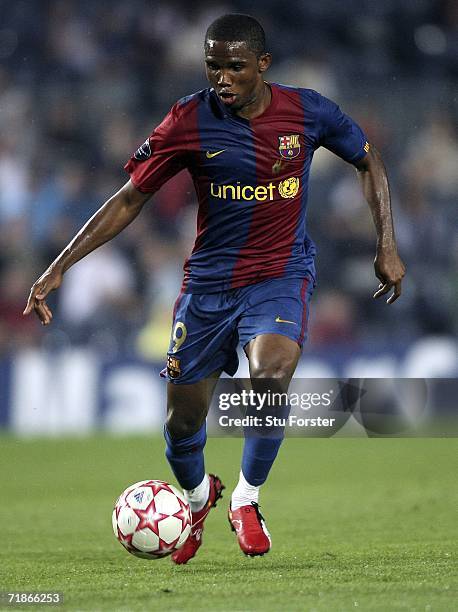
(273, 357)
(179, 430)
(192, 441)
(180, 426)
(281, 369)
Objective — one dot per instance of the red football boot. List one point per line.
(250, 527)
(192, 544)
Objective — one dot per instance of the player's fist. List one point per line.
(51, 279)
(390, 270)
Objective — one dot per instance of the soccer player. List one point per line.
(248, 145)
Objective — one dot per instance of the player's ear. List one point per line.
(264, 62)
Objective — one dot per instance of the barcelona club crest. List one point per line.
(289, 146)
(173, 366)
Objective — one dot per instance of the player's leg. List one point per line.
(185, 435)
(203, 344)
(275, 324)
(273, 360)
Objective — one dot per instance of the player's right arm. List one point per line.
(117, 212)
(160, 157)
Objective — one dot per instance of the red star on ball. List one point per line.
(157, 485)
(149, 518)
(183, 514)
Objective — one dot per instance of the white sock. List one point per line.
(244, 493)
(198, 497)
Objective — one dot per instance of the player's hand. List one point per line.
(48, 281)
(390, 271)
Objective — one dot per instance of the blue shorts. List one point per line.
(207, 328)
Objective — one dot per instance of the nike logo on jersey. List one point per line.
(278, 320)
(214, 154)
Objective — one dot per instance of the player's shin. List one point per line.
(261, 447)
(258, 457)
(186, 458)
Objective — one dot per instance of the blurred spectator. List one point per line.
(332, 322)
(98, 294)
(16, 331)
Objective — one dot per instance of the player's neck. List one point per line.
(258, 104)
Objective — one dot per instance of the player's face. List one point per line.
(235, 73)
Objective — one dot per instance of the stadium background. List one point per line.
(355, 522)
(81, 86)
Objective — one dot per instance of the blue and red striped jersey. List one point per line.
(251, 180)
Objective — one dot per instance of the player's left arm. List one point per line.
(389, 267)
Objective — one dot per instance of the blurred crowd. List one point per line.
(83, 83)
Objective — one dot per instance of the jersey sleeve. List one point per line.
(339, 133)
(162, 155)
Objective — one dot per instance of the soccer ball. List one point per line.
(151, 519)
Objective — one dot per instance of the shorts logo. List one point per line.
(173, 366)
(280, 320)
(209, 154)
(289, 187)
(289, 146)
(143, 152)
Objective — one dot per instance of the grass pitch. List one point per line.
(366, 524)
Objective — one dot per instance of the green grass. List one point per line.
(367, 524)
